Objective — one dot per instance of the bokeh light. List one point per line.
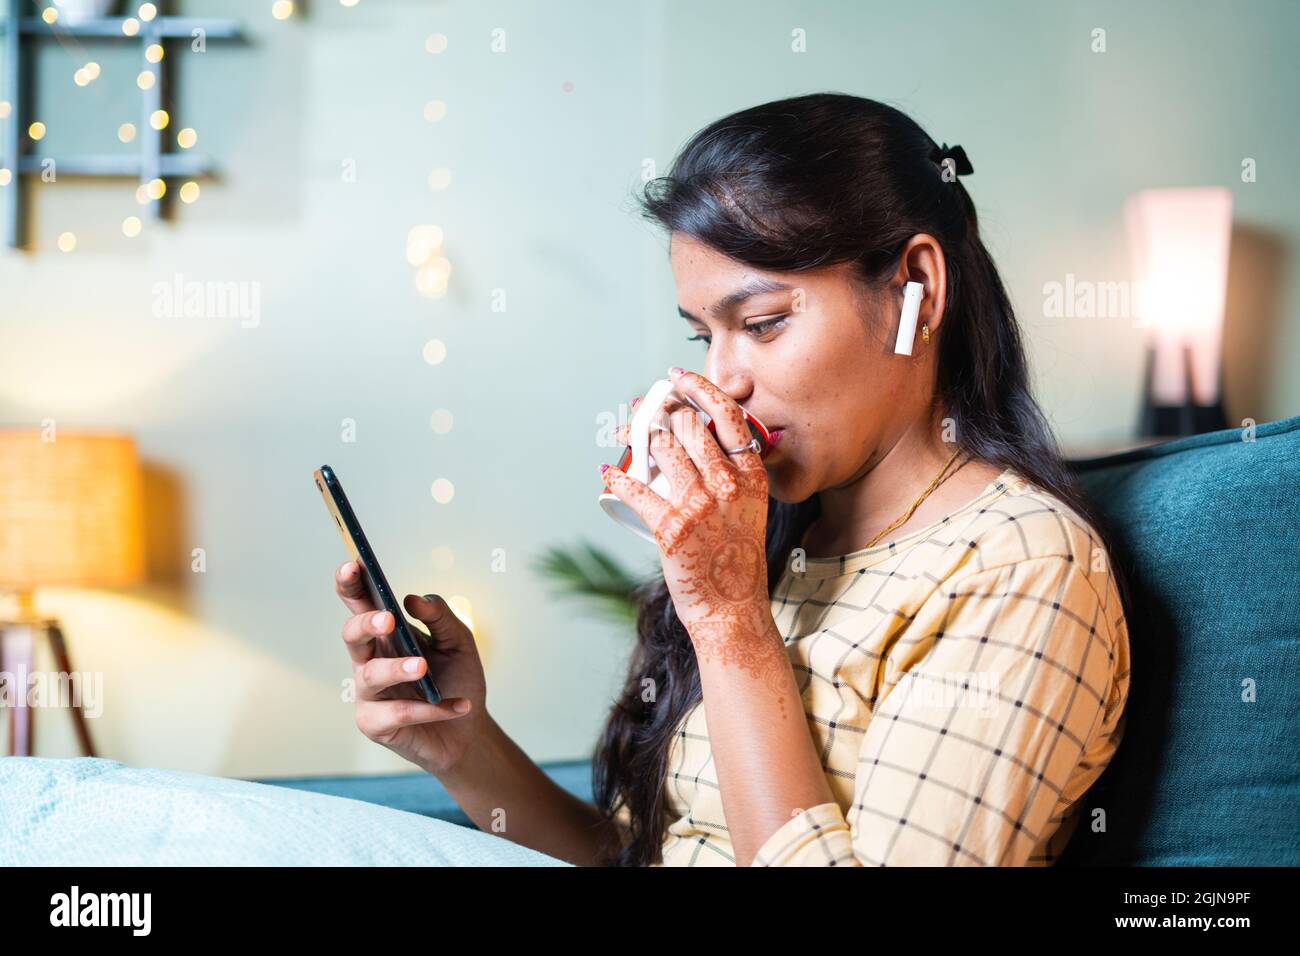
(440, 421)
(443, 491)
(422, 243)
(434, 351)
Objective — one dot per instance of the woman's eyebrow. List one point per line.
(756, 286)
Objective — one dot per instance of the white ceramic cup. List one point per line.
(639, 463)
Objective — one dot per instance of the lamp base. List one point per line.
(1160, 420)
(1178, 421)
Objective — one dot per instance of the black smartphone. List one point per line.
(409, 637)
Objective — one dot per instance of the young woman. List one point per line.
(897, 638)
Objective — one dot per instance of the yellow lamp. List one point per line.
(71, 515)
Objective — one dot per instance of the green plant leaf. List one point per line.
(590, 573)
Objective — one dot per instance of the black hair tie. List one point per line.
(961, 164)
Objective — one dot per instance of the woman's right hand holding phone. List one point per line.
(390, 709)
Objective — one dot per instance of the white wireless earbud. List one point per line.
(907, 321)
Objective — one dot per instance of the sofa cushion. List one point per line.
(91, 811)
(1207, 772)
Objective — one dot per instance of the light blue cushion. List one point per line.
(96, 812)
(1211, 528)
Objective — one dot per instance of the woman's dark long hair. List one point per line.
(798, 184)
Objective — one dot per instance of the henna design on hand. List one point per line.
(712, 539)
(758, 651)
(694, 506)
(721, 596)
(752, 478)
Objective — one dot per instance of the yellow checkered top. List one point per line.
(964, 686)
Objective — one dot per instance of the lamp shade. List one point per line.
(71, 511)
(1178, 241)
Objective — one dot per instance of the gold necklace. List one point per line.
(907, 514)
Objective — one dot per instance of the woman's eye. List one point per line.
(757, 328)
(766, 325)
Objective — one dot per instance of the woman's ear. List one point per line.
(923, 261)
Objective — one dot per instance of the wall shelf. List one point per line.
(152, 161)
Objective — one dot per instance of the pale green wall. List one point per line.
(236, 671)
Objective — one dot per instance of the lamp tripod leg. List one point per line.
(64, 664)
(16, 646)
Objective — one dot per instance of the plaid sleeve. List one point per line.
(1007, 680)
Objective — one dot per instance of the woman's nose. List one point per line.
(729, 375)
(737, 385)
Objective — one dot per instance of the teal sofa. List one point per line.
(1208, 773)
(1209, 769)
